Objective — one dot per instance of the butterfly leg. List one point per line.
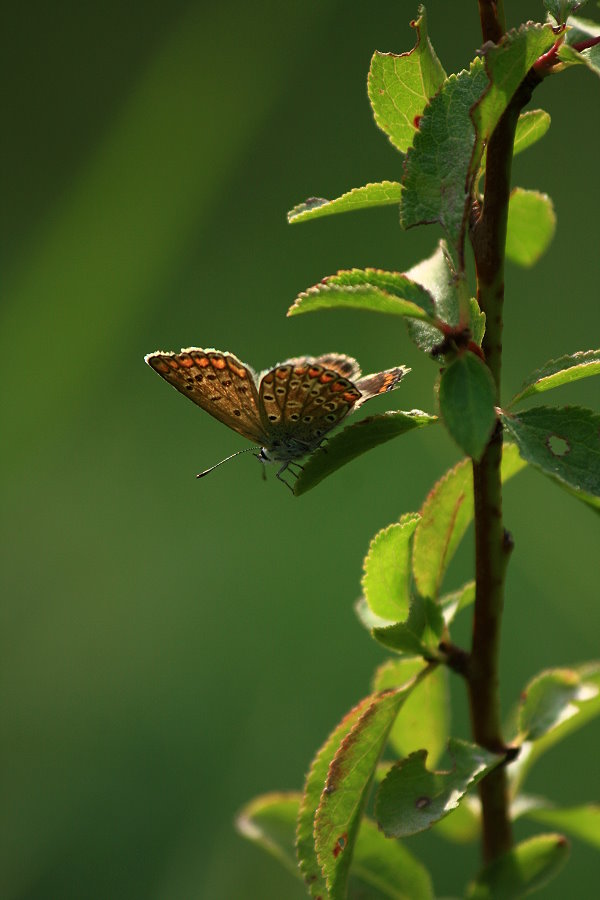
(283, 481)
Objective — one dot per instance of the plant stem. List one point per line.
(492, 543)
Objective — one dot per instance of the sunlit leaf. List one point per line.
(582, 822)
(423, 722)
(368, 289)
(313, 788)
(411, 798)
(467, 397)
(386, 579)
(437, 275)
(463, 824)
(550, 699)
(445, 516)
(386, 868)
(344, 796)
(531, 226)
(557, 372)
(531, 126)
(564, 444)
(355, 440)
(419, 634)
(506, 63)
(400, 85)
(270, 822)
(453, 602)
(384, 193)
(525, 869)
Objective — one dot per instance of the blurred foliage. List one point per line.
(161, 663)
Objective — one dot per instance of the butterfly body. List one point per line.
(288, 409)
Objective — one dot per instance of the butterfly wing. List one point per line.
(300, 401)
(217, 382)
(379, 383)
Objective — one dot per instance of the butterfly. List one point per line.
(287, 410)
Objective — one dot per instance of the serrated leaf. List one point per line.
(435, 183)
(345, 792)
(423, 721)
(582, 822)
(386, 578)
(399, 86)
(557, 372)
(455, 601)
(564, 444)
(418, 635)
(313, 788)
(445, 516)
(467, 398)
(387, 868)
(531, 226)
(383, 193)
(355, 440)
(369, 289)
(463, 824)
(411, 798)
(587, 709)
(506, 64)
(270, 822)
(562, 9)
(549, 700)
(524, 869)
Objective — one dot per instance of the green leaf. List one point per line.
(384, 193)
(313, 788)
(400, 86)
(438, 276)
(549, 699)
(411, 798)
(477, 322)
(270, 822)
(453, 603)
(562, 9)
(445, 516)
(582, 822)
(418, 635)
(557, 372)
(345, 793)
(581, 30)
(355, 440)
(467, 399)
(506, 64)
(386, 579)
(564, 444)
(436, 186)
(387, 868)
(587, 709)
(369, 289)
(531, 126)
(423, 721)
(463, 824)
(524, 869)
(531, 226)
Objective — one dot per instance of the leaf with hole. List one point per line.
(411, 798)
(354, 440)
(564, 444)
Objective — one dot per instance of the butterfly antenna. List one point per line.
(227, 458)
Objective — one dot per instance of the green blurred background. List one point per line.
(171, 648)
